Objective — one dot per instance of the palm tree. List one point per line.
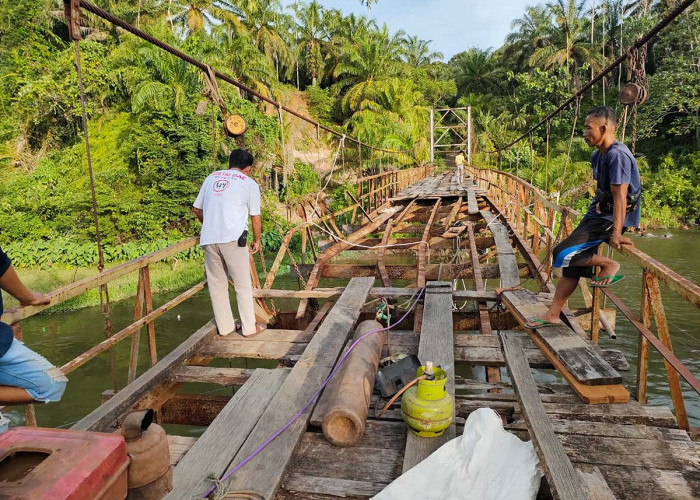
(417, 52)
(311, 34)
(529, 34)
(567, 41)
(195, 15)
(476, 70)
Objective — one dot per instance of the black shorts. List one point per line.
(581, 244)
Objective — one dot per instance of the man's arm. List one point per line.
(257, 230)
(619, 192)
(199, 213)
(11, 283)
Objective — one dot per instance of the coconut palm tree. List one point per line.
(477, 71)
(417, 52)
(195, 15)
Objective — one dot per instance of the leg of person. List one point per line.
(576, 255)
(217, 282)
(238, 264)
(27, 377)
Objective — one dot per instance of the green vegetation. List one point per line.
(151, 127)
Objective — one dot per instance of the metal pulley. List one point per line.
(234, 125)
(633, 93)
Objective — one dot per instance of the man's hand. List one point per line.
(35, 299)
(617, 241)
(255, 247)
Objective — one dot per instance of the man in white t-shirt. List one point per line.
(225, 201)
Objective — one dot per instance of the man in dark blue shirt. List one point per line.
(25, 376)
(614, 208)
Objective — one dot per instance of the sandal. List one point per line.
(259, 327)
(595, 280)
(538, 323)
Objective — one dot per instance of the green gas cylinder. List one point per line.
(427, 407)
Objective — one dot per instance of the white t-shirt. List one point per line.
(228, 198)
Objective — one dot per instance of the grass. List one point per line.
(164, 278)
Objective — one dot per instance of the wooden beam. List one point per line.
(74, 289)
(422, 250)
(228, 377)
(382, 253)
(104, 416)
(334, 250)
(393, 292)
(211, 455)
(410, 272)
(473, 206)
(453, 214)
(436, 345)
(563, 480)
(263, 474)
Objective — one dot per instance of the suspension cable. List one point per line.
(111, 18)
(609, 68)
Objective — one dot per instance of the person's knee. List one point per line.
(50, 386)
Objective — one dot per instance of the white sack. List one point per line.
(485, 463)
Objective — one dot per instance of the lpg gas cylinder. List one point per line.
(427, 407)
(150, 475)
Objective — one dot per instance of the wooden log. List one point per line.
(436, 345)
(207, 457)
(102, 418)
(350, 390)
(264, 473)
(563, 480)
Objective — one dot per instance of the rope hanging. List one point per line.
(104, 290)
(571, 141)
(546, 161)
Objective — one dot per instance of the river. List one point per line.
(62, 336)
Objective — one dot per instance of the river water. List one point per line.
(63, 336)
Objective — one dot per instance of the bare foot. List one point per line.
(608, 270)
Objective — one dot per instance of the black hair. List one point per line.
(604, 112)
(240, 158)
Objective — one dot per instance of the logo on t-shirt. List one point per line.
(220, 185)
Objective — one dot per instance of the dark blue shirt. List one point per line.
(5, 331)
(616, 166)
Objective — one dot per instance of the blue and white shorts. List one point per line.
(22, 367)
(581, 244)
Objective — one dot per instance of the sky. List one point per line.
(452, 25)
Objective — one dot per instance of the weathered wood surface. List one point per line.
(563, 480)
(436, 345)
(207, 457)
(388, 292)
(471, 201)
(441, 185)
(263, 474)
(178, 446)
(212, 375)
(104, 416)
(577, 356)
(507, 263)
(409, 272)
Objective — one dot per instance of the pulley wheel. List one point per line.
(234, 125)
(633, 93)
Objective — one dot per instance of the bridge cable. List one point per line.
(104, 290)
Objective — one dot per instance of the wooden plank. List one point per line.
(507, 262)
(214, 450)
(471, 201)
(596, 486)
(178, 446)
(563, 480)
(264, 473)
(575, 354)
(422, 250)
(453, 214)
(436, 345)
(104, 416)
(212, 375)
(386, 281)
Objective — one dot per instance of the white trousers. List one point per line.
(460, 173)
(221, 261)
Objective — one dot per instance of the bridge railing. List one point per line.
(375, 190)
(543, 222)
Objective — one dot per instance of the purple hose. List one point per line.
(314, 397)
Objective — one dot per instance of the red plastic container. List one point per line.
(55, 464)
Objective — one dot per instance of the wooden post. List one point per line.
(150, 326)
(674, 385)
(643, 346)
(136, 337)
(550, 242)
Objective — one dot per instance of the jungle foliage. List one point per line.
(151, 130)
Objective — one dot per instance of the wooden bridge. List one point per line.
(473, 248)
